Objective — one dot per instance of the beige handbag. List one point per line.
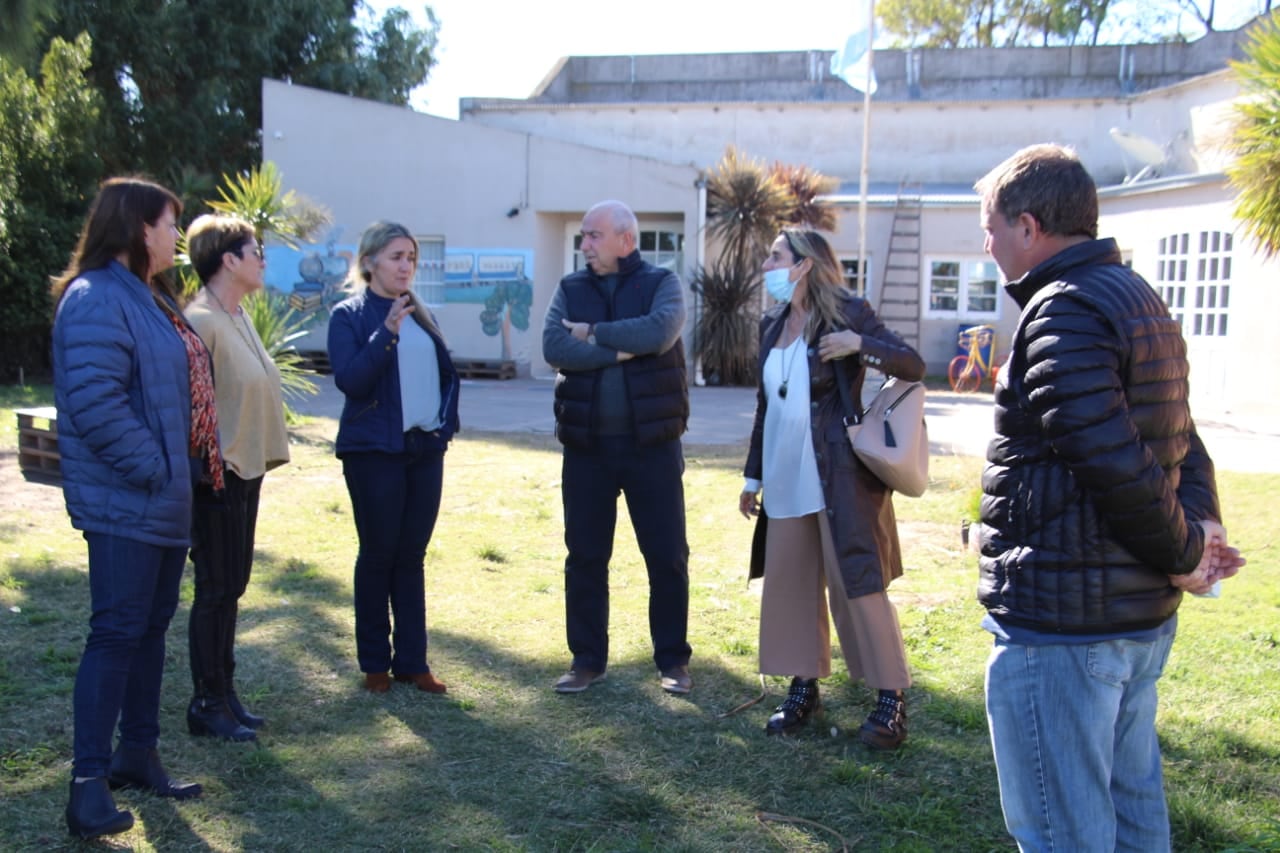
(890, 437)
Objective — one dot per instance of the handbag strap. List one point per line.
(851, 415)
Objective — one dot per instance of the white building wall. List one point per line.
(938, 141)
(367, 161)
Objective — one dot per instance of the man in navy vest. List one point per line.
(621, 404)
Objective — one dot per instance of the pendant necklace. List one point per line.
(786, 373)
(247, 338)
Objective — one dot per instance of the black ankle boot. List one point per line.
(886, 726)
(208, 717)
(242, 714)
(141, 768)
(802, 702)
(92, 810)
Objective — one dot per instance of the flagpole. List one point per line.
(866, 146)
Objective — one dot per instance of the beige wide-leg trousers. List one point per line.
(795, 633)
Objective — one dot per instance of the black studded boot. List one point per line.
(886, 726)
(801, 703)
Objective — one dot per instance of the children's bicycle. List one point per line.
(966, 372)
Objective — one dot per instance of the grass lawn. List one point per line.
(503, 763)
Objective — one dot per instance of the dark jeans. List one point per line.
(222, 529)
(395, 498)
(650, 479)
(133, 588)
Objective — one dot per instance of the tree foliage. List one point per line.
(49, 170)
(181, 81)
(1033, 23)
(992, 23)
(1256, 137)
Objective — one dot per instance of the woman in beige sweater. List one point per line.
(229, 261)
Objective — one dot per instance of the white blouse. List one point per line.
(791, 485)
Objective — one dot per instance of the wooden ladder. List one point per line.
(899, 298)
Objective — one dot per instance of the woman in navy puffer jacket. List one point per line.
(132, 443)
(391, 362)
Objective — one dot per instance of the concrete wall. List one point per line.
(367, 161)
(936, 74)
(927, 141)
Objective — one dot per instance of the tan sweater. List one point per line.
(247, 386)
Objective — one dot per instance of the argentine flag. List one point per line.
(852, 62)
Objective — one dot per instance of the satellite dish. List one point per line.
(1150, 154)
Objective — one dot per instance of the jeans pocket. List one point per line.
(1109, 661)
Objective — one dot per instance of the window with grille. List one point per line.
(428, 279)
(1193, 276)
(852, 279)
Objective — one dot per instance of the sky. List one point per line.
(504, 48)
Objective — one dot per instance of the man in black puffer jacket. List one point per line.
(1099, 509)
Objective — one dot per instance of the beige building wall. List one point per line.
(925, 141)
(366, 161)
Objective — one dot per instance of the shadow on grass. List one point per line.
(502, 762)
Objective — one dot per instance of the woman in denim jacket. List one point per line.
(390, 360)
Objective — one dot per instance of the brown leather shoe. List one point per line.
(425, 681)
(377, 682)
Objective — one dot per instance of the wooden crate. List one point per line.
(479, 369)
(38, 456)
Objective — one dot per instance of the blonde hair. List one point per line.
(375, 238)
(824, 281)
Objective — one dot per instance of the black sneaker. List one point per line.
(802, 702)
(886, 726)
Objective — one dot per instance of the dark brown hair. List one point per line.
(1050, 183)
(114, 227)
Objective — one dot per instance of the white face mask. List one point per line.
(779, 284)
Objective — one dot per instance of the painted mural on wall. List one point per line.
(480, 294)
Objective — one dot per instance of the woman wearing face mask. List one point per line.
(826, 523)
(390, 360)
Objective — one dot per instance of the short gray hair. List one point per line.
(620, 216)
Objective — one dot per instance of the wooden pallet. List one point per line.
(480, 369)
(38, 456)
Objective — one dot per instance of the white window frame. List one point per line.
(1193, 276)
(673, 261)
(966, 265)
(848, 264)
(428, 277)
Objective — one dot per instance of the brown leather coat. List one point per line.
(858, 506)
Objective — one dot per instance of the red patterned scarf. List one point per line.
(204, 409)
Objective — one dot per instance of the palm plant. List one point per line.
(726, 335)
(279, 326)
(1256, 137)
(257, 196)
(804, 186)
(745, 205)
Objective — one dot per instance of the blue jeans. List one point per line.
(1074, 734)
(395, 498)
(650, 479)
(133, 588)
